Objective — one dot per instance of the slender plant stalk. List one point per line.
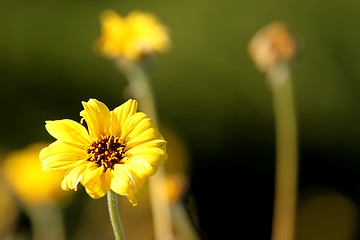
(140, 88)
(47, 222)
(286, 166)
(115, 215)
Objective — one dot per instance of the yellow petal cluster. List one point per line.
(119, 150)
(22, 172)
(131, 37)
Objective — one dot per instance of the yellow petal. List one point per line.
(73, 176)
(143, 147)
(145, 35)
(122, 180)
(110, 43)
(142, 167)
(61, 156)
(135, 193)
(137, 138)
(97, 117)
(135, 125)
(121, 114)
(127, 183)
(112, 23)
(146, 164)
(68, 131)
(96, 181)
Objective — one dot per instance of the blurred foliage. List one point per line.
(207, 88)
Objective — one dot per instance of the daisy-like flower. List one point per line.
(131, 37)
(119, 150)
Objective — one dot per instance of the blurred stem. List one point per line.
(286, 166)
(140, 89)
(46, 222)
(115, 215)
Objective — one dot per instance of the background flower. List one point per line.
(132, 37)
(273, 44)
(32, 186)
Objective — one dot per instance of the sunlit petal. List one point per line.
(61, 156)
(73, 176)
(136, 124)
(122, 180)
(96, 181)
(97, 117)
(142, 137)
(145, 165)
(127, 184)
(121, 114)
(68, 131)
(144, 147)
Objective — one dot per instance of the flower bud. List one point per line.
(271, 45)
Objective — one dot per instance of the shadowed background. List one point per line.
(210, 94)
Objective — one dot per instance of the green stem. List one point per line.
(46, 222)
(115, 215)
(140, 89)
(286, 166)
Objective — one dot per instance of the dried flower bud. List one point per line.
(271, 45)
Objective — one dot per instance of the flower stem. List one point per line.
(140, 89)
(286, 166)
(46, 222)
(115, 215)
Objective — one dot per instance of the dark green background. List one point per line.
(207, 90)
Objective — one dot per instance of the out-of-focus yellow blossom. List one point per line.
(177, 166)
(273, 44)
(33, 187)
(131, 37)
(119, 150)
(176, 185)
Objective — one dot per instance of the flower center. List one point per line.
(106, 151)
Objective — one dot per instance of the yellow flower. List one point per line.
(22, 171)
(132, 37)
(176, 185)
(119, 150)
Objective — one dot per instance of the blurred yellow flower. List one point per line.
(176, 185)
(119, 150)
(132, 37)
(22, 171)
